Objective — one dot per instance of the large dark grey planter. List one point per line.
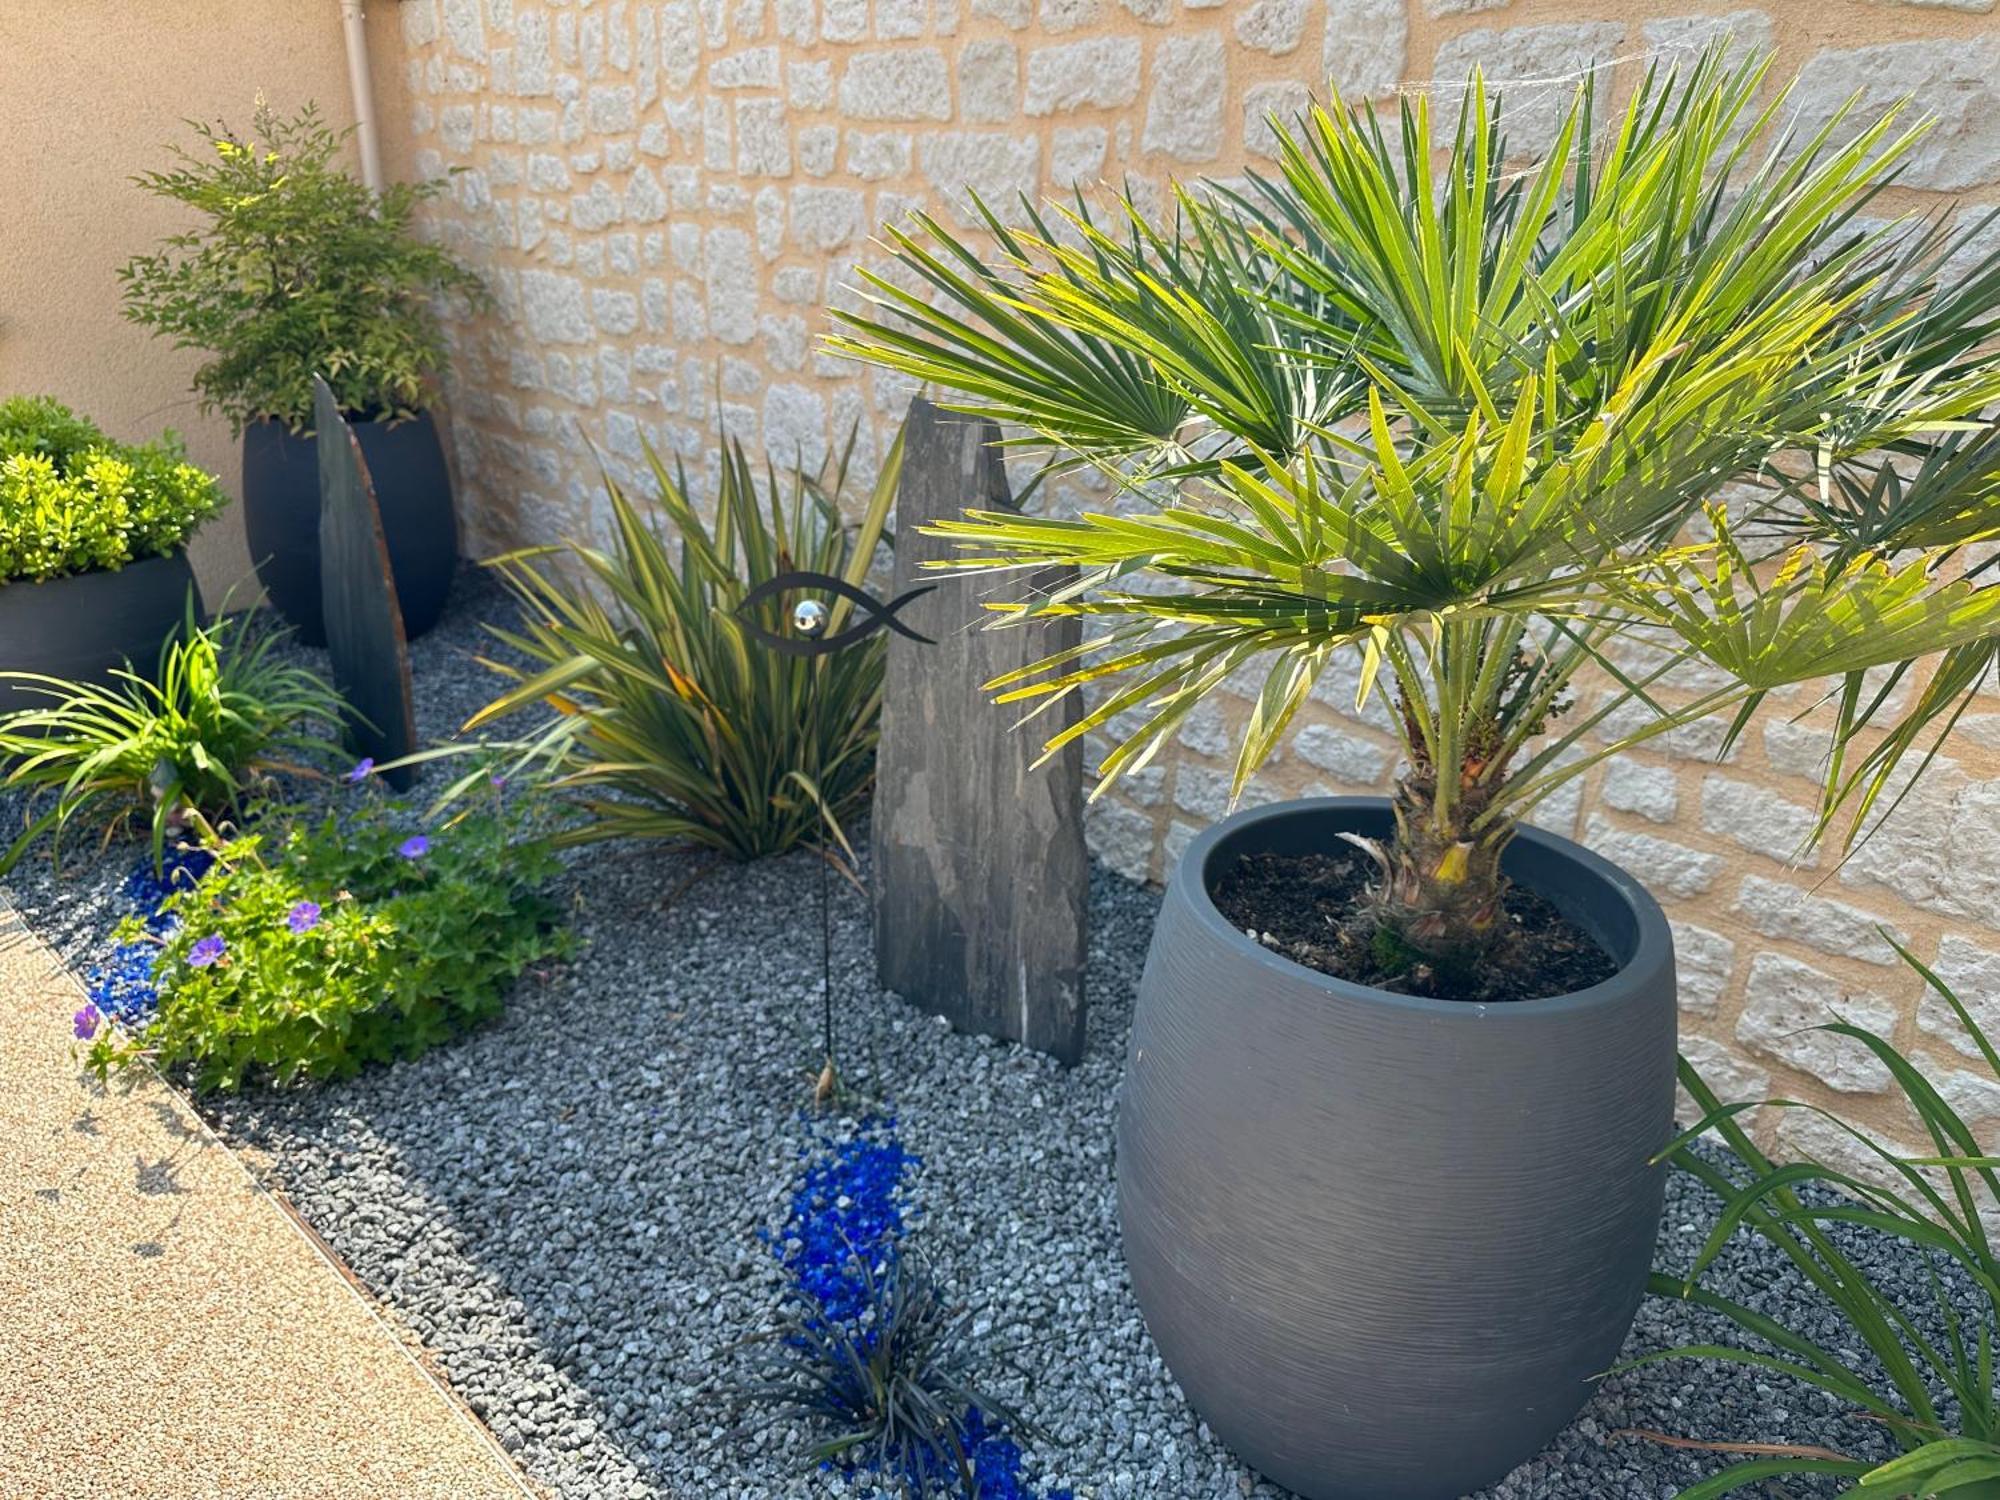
(1385, 1243)
(412, 487)
(81, 627)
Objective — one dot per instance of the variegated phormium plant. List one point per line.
(1475, 427)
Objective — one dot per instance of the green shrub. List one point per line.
(1928, 1381)
(297, 268)
(671, 720)
(222, 711)
(73, 501)
(43, 425)
(308, 951)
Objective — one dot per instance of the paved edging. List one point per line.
(171, 1328)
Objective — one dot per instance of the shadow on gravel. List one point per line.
(565, 1207)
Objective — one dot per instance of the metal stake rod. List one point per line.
(825, 857)
(809, 621)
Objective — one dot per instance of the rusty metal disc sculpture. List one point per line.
(363, 617)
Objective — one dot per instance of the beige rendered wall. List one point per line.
(667, 196)
(91, 91)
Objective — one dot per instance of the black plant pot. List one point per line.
(82, 627)
(1385, 1243)
(412, 487)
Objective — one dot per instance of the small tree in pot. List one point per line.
(298, 268)
(1464, 427)
(1472, 431)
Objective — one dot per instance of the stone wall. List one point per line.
(668, 196)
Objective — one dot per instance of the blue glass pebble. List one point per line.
(845, 1227)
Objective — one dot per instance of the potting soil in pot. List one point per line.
(1310, 908)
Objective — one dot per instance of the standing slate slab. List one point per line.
(980, 874)
(364, 622)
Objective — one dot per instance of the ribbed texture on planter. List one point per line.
(81, 627)
(1385, 1243)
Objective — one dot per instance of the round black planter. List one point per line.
(81, 627)
(1385, 1243)
(412, 487)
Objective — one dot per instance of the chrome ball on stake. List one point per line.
(809, 618)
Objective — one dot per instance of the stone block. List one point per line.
(1366, 47)
(1731, 1077)
(1957, 86)
(989, 81)
(1665, 868)
(1184, 109)
(1703, 961)
(730, 285)
(1100, 72)
(998, 165)
(1784, 911)
(1273, 26)
(763, 144)
(825, 218)
(1263, 103)
(980, 876)
(795, 427)
(552, 307)
(1784, 1000)
(1635, 787)
(1972, 973)
(1535, 70)
(902, 83)
(875, 155)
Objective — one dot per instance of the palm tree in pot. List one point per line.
(1561, 461)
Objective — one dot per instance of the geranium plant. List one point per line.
(311, 948)
(1474, 428)
(297, 268)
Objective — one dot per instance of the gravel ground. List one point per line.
(565, 1206)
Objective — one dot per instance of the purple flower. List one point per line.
(360, 773)
(304, 917)
(207, 951)
(497, 782)
(84, 1023)
(416, 846)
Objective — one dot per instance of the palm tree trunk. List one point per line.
(1438, 904)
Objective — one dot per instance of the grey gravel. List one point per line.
(565, 1206)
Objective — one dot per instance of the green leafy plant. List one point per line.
(1928, 1381)
(1468, 432)
(671, 721)
(73, 501)
(298, 268)
(309, 950)
(222, 712)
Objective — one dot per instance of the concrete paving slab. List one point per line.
(168, 1330)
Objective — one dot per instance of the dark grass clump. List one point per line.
(866, 1347)
(892, 1386)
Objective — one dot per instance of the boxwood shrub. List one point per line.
(74, 501)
